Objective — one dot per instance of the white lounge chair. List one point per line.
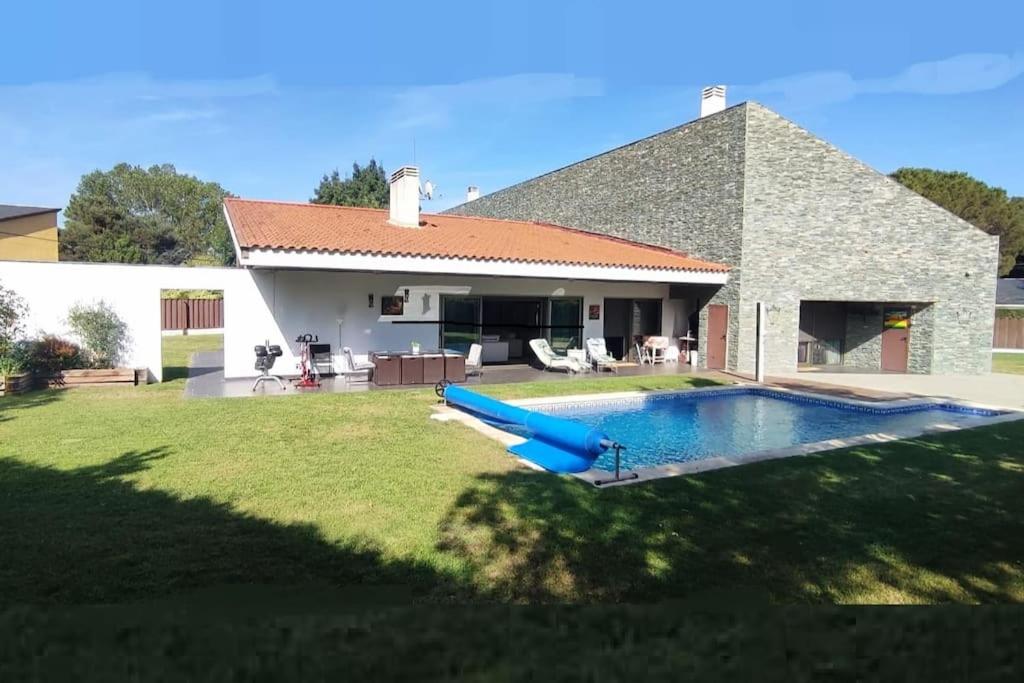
(597, 352)
(474, 360)
(351, 368)
(552, 361)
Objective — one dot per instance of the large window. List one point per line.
(505, 325)
(460, 325)
(566, 324)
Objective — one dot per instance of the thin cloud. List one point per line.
(435, 105)
(966, 73)
(181, 115)
(142, 87)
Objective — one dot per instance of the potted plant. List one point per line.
(415, 347)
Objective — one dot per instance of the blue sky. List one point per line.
(264, 97)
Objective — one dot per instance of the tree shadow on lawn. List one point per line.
(89, 536)
(9, 405)
(929, 520)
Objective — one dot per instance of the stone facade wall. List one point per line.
(922, 340)
(797, 220)
(863, 346)
(681, 189)
(820, 225)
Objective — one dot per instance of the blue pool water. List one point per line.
(672, 428)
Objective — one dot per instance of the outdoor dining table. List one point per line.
(425, 367)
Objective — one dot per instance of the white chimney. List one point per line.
(712, 100)
(405, 197)
(472, 192)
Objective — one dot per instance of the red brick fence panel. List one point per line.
(1009, 333)
(191, 314)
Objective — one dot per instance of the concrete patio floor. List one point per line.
(995, 389)
(206, 378)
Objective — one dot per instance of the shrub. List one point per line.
(12, 310)
(9, 366)
(104, 335)
(49, 355)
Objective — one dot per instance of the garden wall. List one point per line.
(133, 291)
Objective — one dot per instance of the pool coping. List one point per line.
(643, 474)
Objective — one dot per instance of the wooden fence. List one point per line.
(191, 314)
(1009, 333)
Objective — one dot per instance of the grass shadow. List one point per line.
(930, 520)
(10, 405)
(91, 536)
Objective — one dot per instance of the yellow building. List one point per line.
(28, 233)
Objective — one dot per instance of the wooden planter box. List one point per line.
(80, 378)
(15, 384)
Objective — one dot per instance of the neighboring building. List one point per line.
(1009, 326)
(28, 233)
(854, 269)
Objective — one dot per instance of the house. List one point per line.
(853, 269)
(28, 233)
(738, 228)
(382, 279)
(1009, 325)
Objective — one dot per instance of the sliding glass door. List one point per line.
(460, 322)
(566, 321)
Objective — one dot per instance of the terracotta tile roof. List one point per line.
(262, 224)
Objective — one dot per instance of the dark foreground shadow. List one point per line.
(932, 520)
(89, 536)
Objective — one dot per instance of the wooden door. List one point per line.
(895, 340)
(718, 330)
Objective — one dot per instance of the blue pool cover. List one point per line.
(555, 443)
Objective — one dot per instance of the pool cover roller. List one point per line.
(556, 444)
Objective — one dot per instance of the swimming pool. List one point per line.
(691, 426)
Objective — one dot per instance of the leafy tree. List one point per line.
(12, 309)
(987, 207)
(134, 215)
(367, 186)
(104, 335)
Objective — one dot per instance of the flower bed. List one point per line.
(15, 384)
(79, 378)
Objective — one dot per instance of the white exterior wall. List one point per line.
(277, 306)
(335, 307)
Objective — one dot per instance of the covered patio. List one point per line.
(206, 378)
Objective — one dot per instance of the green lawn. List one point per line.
(1012, 363)
(314, 502)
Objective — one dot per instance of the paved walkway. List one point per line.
(994, 389)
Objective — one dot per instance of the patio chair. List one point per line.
(474, 360)
(597, 351)
(552, 361)
(643, 354)
(321, 360)
(352, 369)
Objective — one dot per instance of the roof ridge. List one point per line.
(292, 202)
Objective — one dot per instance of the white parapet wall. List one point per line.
(50, 289)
